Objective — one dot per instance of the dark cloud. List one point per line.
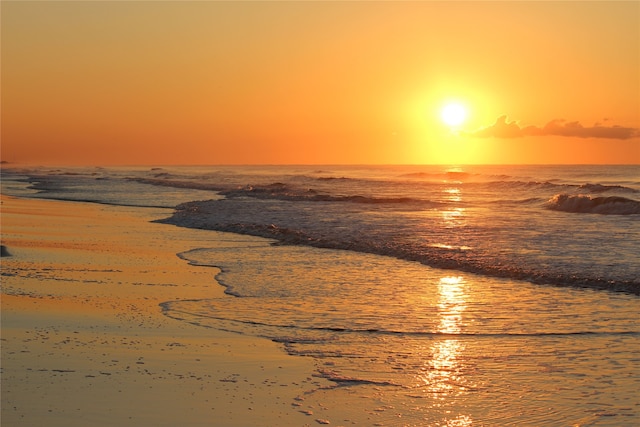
(506, 129)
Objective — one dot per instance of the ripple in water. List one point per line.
(436, 345)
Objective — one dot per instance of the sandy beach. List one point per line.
(84, 340)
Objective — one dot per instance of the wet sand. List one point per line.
(84, 340)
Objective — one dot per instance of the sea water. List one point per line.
(476, 295)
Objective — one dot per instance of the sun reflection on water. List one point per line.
(443, 374)
(453, 194)
(451, 304)
(454, 217)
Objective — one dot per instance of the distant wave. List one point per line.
(547, 185)
(335, 178)
(275, 191)
(516, 185)
(611, 205)
(527, 201)
(599, 188)
(280, 191)
(291, 192)
(455, 175)
(178, 183)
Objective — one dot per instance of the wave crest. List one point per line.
(612, 205)
(280, 191)
(600, 188)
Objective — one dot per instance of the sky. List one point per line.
(321, 82)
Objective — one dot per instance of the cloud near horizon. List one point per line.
(506, 129)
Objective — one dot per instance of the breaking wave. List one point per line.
(612, 205)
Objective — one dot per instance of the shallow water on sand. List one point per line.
(438, 346)
(476, 343)
(565, 225)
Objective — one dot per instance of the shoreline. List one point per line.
(85, 342)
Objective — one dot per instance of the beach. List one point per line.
(84, 340)
(302, 213)
(269, 296)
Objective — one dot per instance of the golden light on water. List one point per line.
(451, 304)
(453, 194)
(454, 217)
(460, 421)
(442, 374)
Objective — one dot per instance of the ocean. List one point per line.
(449, 296)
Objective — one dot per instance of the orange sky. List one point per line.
(155, 82)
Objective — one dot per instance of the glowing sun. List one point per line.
(453, 114)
